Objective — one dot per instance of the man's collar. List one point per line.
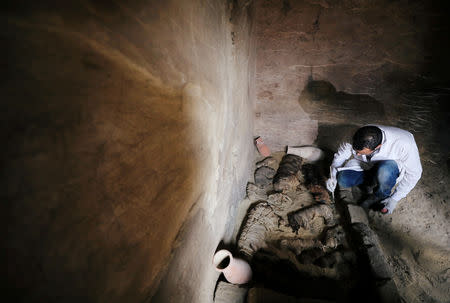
(383, 137)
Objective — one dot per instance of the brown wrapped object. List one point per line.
(288, 173)
(315, 182)
(303, 217)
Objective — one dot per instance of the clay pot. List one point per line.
(262, 147)
(235, 270)
(309, 154)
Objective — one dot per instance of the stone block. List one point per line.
(387, 292)
(263, 295)
(377, 261)
(370, 249)
(364, 235)
(357, 214)
(227, 292)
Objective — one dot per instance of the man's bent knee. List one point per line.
(387, 171)
(349, 178)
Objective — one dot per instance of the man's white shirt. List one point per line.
(398, 145)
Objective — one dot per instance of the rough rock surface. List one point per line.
(261, 295)
(381, 272)
(357, 214)
(126, 135)
(227, 293)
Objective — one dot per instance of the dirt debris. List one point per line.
(286, 221)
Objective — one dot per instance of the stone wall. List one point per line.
(127, 131)
(363, 48)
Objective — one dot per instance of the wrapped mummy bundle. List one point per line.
(288, 173)
(260, 221)
(303, 217)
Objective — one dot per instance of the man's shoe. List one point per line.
(370, 201)
(357, 194)
(367, 188)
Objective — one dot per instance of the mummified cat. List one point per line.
(288, 173)
(303, 217)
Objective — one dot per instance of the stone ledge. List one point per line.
(227, 292)
(264, 295)
(357, 214)
(370, 249)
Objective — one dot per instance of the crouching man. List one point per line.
(385, 160)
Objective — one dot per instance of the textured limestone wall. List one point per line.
(341, 64)
(375, 48)
(127, 138)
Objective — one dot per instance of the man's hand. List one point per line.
(389, 205)
(331, 184)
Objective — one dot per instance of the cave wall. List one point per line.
(127, 131)
(375, 50)
(325, 68)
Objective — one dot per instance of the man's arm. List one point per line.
(413, 171)
(343, 154)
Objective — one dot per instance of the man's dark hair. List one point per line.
(367, 136)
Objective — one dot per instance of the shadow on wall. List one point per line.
(339, 114)
(443, 125)
(321, 100)
(330, 136)
(94, 167)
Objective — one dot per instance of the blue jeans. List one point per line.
(383, 174)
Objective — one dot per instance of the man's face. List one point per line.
(364, 151)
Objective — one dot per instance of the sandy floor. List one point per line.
(416, 238)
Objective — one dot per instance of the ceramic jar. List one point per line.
(262, 147)
(235, 270)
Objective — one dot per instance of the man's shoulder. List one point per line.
(396, 133)
(392, 129)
